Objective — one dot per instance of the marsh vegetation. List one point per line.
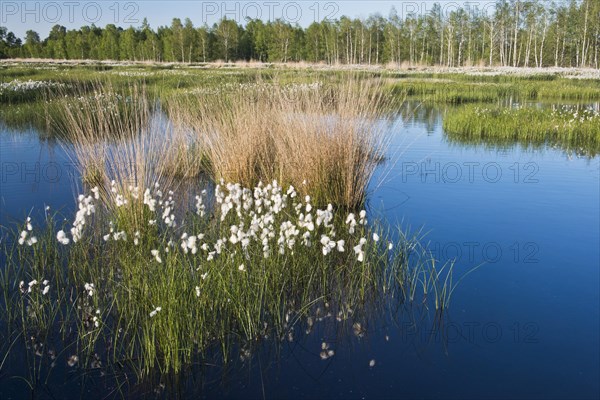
(572, 128)
(225, 208)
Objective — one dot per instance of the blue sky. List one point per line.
(20, 16)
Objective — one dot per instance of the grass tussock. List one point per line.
(573, 128)
(119, 140)
(324, 140)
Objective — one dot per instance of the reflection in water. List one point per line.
(425, 114)
(506, 145)
(314, 340)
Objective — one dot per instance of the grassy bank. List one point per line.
(461, 89)
(442, 86)
(572, 128)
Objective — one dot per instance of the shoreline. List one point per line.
(573, 73)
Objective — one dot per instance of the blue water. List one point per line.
(34, 174)
(532, 217)
(525, 323)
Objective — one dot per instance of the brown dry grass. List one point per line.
(118, 135)
(323, 140)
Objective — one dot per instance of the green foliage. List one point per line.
(465, 88)
(526, 33)
(573, 128)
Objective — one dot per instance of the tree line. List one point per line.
(525, 33)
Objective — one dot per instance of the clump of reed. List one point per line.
(572, 128)
(120, 139)
(322, 139)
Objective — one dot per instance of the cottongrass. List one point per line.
(154, 280)
(244, 264)
(30, 85)
(28, 93)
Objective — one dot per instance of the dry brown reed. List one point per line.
(322, 139)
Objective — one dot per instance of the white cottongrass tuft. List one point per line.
(156, 255)
(31, 284)
(90, 289)
(358, 249)
(155, 311)
(62, 238)
(25, 238)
